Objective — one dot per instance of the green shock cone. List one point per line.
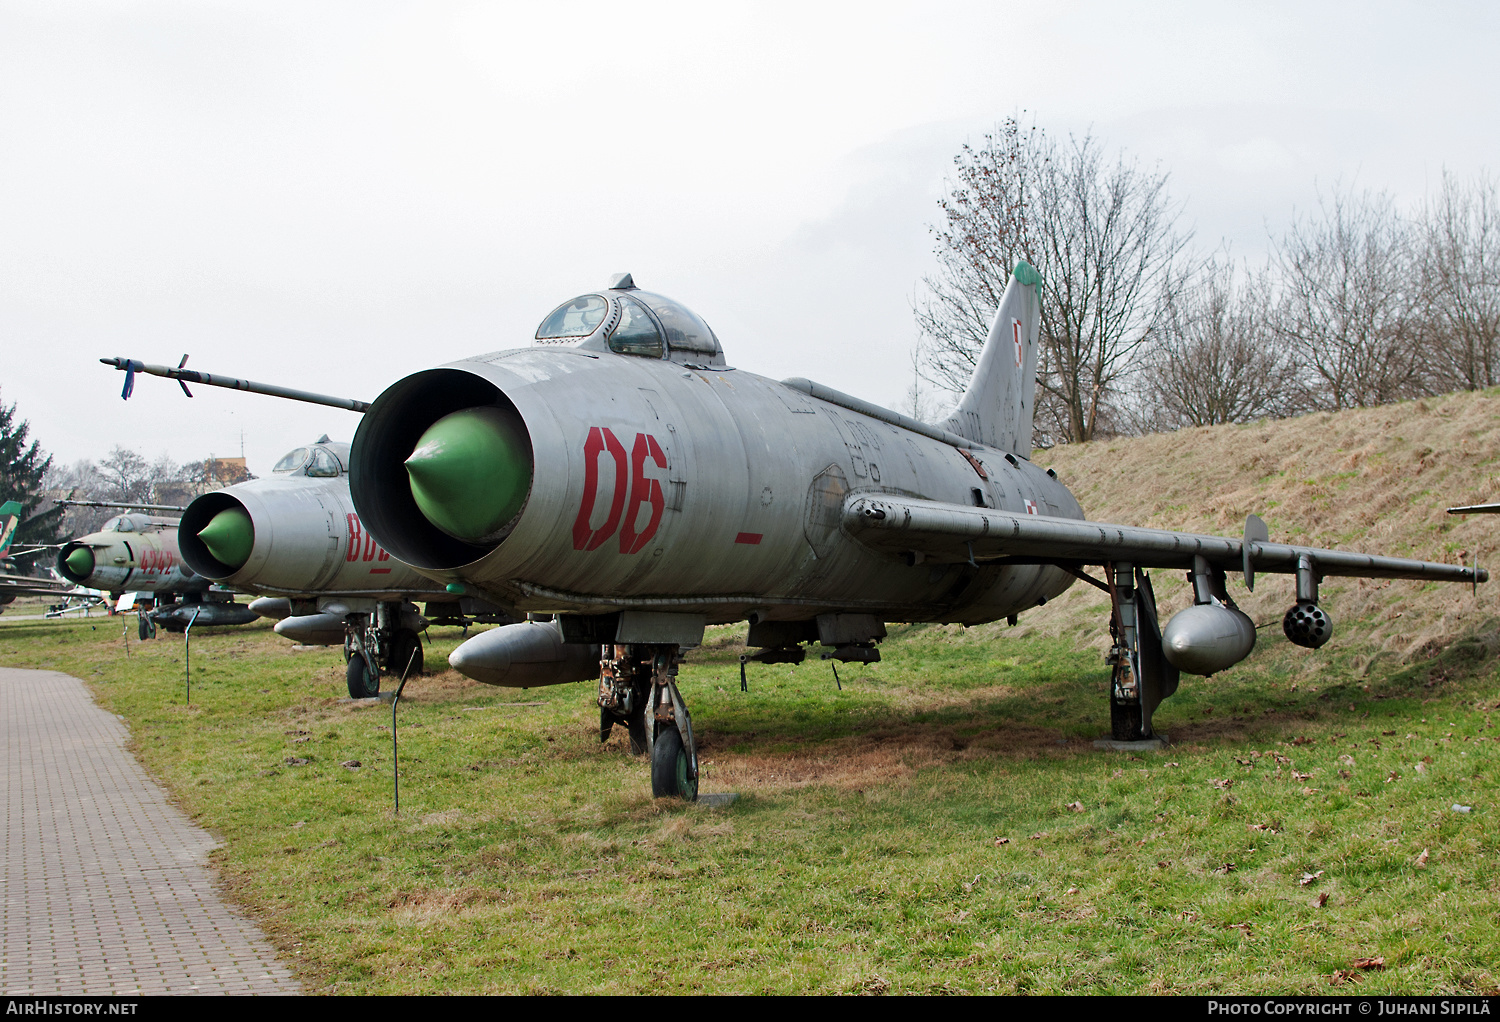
(470, 472)
(229, 536)
(81, 562)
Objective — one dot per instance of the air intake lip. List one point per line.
(199, 514)
(379, 481)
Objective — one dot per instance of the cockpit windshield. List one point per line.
(323, 464)
(577, 318)
(119, 524)
(636, 334)
(292, 461)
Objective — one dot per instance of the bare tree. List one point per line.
(1460, 266)
(1103, 236)
(1348, 302)
(1218, 359)
(127, 477)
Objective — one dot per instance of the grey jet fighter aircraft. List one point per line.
(137, 552)
(295, 540)
(620, 475)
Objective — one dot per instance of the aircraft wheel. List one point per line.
(143, 627)
(364, 680)
(669, 767)
(402, 647)
(1125, 722)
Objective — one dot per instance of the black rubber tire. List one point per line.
(1125, 722)
(669, 767)
(402, 645)
(364, 680)
(143, 627)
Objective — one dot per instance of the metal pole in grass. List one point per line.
(187, 653)
(395, 761)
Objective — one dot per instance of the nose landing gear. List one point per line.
(638, 688)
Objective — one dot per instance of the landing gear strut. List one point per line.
(1142, 676)
(383, 642)
(638, 688)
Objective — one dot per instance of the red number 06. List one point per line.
(632, 489)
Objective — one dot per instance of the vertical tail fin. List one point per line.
(997, 407)
(10, 519)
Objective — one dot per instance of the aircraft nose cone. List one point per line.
(81, 561)
(229, 536)
(470, 472)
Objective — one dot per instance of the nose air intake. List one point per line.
(470, 473)
(441, 467)
(78, 563)
(216, 535)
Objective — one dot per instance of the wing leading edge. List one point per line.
(955, 532)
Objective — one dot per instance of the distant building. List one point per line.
(226, 471)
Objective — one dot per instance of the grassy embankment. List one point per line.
(943, 822)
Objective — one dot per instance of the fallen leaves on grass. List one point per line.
(1308, 878)
(1373, 964)
(1227, 868)
(1077, 807)
(1422, 860)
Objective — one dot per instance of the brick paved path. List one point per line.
(106, 885)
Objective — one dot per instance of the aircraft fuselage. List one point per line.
(702, 490)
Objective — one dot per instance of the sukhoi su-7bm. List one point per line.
(618, 475)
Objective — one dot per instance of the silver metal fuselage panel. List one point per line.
(308, 541)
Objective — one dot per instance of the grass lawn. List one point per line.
(942, 824)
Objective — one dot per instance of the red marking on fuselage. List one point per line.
(380, 571)
(643, 491)
(600, 440)
(362, 545)
(751, 538)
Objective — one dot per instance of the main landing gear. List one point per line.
(1142, 677)
(638, 688)
(385, 642)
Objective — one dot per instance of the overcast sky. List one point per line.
(333, 195)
